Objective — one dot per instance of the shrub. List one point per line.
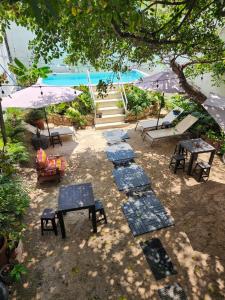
(138, 100)
(14, 201)
(76, 116)
(58, 108)
(205, 121)
(15, 151)
(82, 104)
(34, 115)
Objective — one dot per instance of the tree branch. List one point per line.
(169, 3)
(195, 62)
(193, 92)
(143, 39)
(192, 4)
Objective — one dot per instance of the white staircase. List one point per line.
(110, 108)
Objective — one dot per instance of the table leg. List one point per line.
(94, 221)
(190, 165)
(61, 223)
(211, 157)
(180, 149)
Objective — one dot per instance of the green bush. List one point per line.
(6, 164)
(205, 121)
(58, 108)
(138, 100)
(16, 151)
(76, 116)
(13, 124)
(14, 201)
(83, 104)
(34, 115)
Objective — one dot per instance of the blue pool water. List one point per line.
(73, 79)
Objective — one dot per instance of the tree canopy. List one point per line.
(185, 34)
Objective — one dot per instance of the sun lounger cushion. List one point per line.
(56, 163)
(170, 117)
(42, 158)
(49, 166)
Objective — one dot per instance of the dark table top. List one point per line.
(75, 197)
(196, 146)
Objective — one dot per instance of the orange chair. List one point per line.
(49, 168)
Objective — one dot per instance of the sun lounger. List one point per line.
(178, 130)
(62, 130)
(152, 123)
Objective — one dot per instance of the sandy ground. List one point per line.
(110, 264)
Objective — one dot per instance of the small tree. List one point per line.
(28, 76)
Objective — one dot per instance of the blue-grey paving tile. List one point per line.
(115, 136)
(158, 259)
(172, 292)
(121, 152)
(128, 178)
(146, 214)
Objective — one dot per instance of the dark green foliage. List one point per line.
(83, 103)
(14, 201)
(139, 100)
(15, 149)
(77, 109)
(13, 124)
(205, 122)
(17, 272)
(102, 88)
(109, 33)
(6, 164)
(27, 76)
(34, 115)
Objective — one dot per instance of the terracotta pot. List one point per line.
(39, 124)
(3, 253)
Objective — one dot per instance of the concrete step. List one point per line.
(111, 110)
(115, 87)
(109, 95)
(107, 103)
(110, 125)
(110, 119)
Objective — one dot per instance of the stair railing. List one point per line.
(91, 89)
(123, 92)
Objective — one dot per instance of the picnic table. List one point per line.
(195, 147)
(76, 197)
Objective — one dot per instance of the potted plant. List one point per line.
(36, 117)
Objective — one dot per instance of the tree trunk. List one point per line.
(191, 91)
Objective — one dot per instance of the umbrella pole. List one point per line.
(46, 119)
(160, 107)
(2, 124)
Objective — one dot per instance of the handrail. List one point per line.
(91, 89)
(123, 92)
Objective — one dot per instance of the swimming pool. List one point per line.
(73, 79)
